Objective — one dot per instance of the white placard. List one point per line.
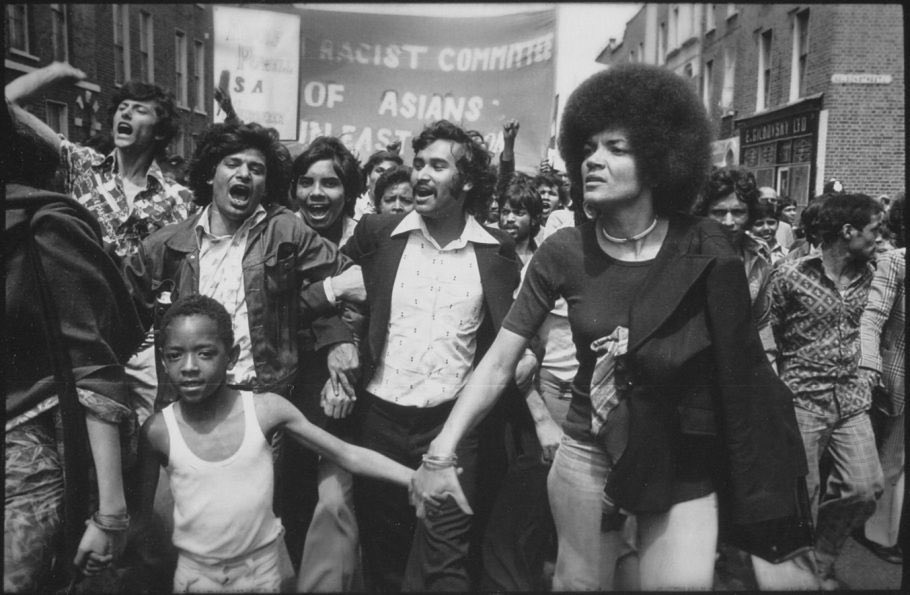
(260, 52)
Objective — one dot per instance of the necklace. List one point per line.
(634, 238)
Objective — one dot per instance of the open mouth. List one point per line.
(124, 128)
(317, 210)
(239, 192)
(423, 192)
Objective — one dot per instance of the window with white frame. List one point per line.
(710, 22)
(763, 95)
(707, 83)
(662, 44)
(726, 93)
(673, 41)
(121, 43)
(17, 27)
(199, 74)
(180, 68)
(59, 33)
(800, 55)
(146, 47)
(57, 117)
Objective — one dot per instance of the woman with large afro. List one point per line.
(677, 420)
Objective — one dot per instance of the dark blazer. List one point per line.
(379, 253)
(696, 366)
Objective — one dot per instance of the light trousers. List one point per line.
(675, 548)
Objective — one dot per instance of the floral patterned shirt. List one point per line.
(93, 180)
(817, 331)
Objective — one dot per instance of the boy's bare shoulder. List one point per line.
(154, 431)
(272, 410)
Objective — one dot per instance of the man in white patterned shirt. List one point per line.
(438, 285)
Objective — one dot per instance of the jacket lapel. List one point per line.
(380, 277)
(666, 284)
(498, 277)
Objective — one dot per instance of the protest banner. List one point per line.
(370, 78)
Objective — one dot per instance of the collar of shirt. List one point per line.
(472, 232)
(154, 175)
(203, 228)
(814, 260)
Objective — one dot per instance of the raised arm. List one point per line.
(27, 86)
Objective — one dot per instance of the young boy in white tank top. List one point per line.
(214, 444)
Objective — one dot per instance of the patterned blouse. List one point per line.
(93, 180)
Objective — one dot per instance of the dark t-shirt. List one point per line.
(599, 290)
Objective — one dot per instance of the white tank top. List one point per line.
(222, 509)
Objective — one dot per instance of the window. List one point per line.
(199, 74)
(731, 11)
(57, 117)
(662, 44)
(180, 69)
(763, 96)
(146, 47)
(17, 30)
(121, 43)
(710, 22)
(674, 27)
(800, 55)
(641, 52)
(707, 83)
(176, 147)
(726, 94)
(59, 33)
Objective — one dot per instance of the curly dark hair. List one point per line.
(842, 209)
(165, 107)
(474, 164)
(390, 177)
(343, 161)
(220, 140)
(553, 180)
(201, 305)
(521, 192)
(377, 158)
(668, 130)
(729, 180)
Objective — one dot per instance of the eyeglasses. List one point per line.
(721, 213)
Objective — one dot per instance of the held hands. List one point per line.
(336, 405)
(98, 548)
(344, 367)
(430, 487)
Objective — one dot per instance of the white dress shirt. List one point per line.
(436, 311)
(221, 278)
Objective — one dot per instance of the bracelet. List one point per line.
(437, 462)
(111, 522)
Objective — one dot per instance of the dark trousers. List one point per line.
(400, 552)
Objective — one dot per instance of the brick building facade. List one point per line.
(168, 44)
(799, 93)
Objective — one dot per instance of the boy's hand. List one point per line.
(344, 365)
(336, 405)
(510, 130)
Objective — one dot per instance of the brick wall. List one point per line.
(91, 37)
